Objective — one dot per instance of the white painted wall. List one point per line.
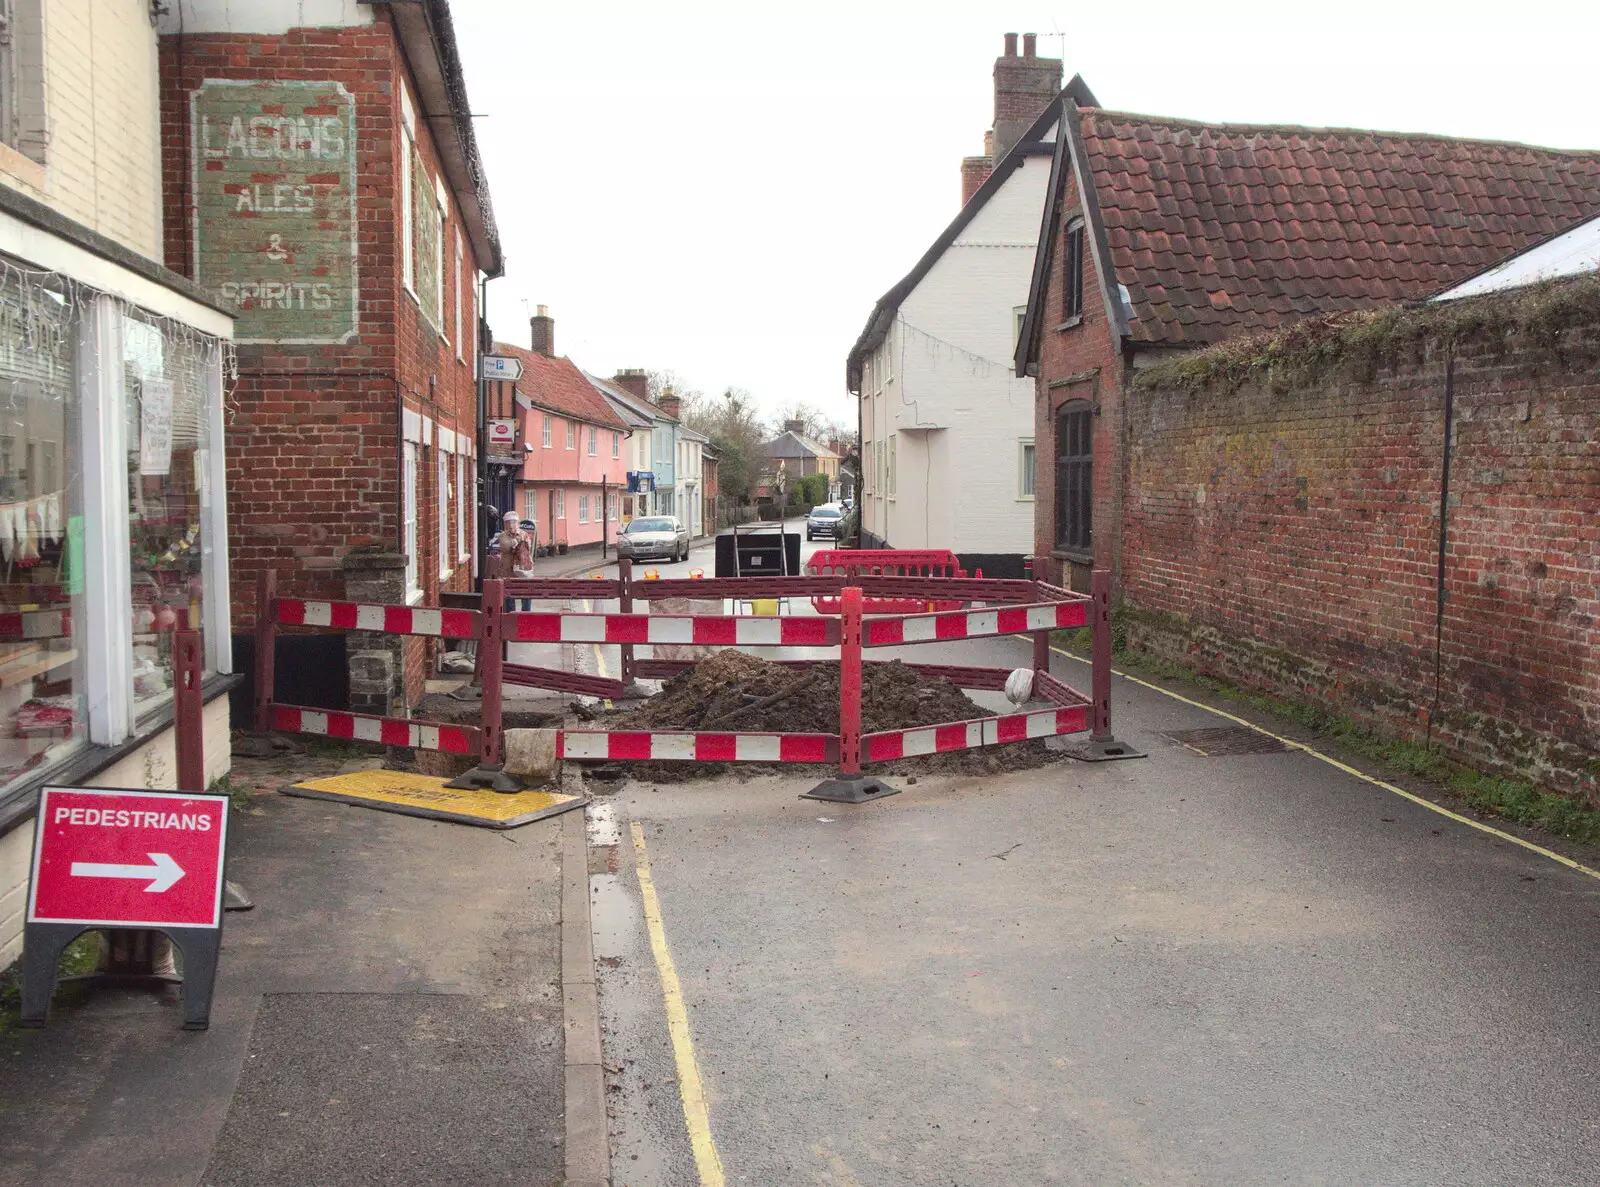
(271, 17)
(87, 71)
(153, 765)
(942, 386)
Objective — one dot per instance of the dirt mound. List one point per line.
(733, 690)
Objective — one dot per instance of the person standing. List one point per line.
(516, 548)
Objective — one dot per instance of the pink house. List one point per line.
(575, 465)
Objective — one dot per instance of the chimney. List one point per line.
(974, 172)
(798, 427)
(1023, 87)
(635, 382)
(544, 332)
(670, 403)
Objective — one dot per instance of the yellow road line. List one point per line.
(695, 1115)
(1349, 770)
(599, 657)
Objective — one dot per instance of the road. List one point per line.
(1240, 969)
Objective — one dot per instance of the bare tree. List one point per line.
(739, 436)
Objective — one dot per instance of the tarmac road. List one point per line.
(1182, 969)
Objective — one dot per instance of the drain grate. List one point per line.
(1224, 740)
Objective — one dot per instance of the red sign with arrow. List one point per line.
(128, 858)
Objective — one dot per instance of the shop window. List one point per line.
(1074, 476)
(42, 709)
(168, 435)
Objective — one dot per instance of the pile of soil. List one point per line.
(735, 691)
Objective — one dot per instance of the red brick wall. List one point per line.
(314, 431)
(1076, 362)
(1289, 541)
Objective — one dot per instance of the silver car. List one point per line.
(654, 537)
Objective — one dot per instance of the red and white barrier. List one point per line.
(684, 746)
(714, 630)
(388, 731)
(389, 620)
(974, 624)
(969, 735)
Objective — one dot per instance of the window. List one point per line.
(1019, 314)
(1025, 468)
(561, 502)
(463, 550)
(444, 512)
(886, 372)
(459, 275)
(572, 435)
(549, 421)
(615, 501)
(892, 441)
(408, 150)
(594, 440)
(409, 525)
(1074, 475)
(583, 508)
(429, 221)
(1072, 272)
(616, 445)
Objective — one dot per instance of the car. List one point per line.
(826, 520)
(654, 537)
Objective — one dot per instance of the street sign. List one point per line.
(119, 858)
(502, 433)
(499, 366)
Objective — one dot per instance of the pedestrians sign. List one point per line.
(500, 366)
(128, 858)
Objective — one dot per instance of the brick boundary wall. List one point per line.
(1288, 541)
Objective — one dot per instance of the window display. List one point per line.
(168, 434)
(42, 715)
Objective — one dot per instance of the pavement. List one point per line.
(1234, 969)
(389, 1013)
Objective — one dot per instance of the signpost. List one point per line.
(500, 366)
(112, 858)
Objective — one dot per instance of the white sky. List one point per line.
(724, 189)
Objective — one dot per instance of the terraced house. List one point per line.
(322, 178)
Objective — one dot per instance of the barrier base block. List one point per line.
(487, 777)
(850, 789)
(1101, 750)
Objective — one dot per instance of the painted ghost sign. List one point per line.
(274, 214)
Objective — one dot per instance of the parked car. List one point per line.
(824, 521)
(654, 537)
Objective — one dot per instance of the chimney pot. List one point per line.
(1030, 45)
(634, 381)
(1011, 45)
(543, 327)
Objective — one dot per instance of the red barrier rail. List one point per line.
(852, 564)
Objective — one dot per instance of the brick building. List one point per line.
(325, 182)
(1164, 235)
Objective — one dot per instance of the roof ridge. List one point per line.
(1182, 121)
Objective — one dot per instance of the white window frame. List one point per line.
(463, 548)
(594, 441)
(442, 470)
(408, 522)
(456, 274)
(441, 212)
(561, 502)
(546, 437)
(408, 225)
(1024, 444)
(616, 446)
(572, 436)
(583, 508)
(1018, 314)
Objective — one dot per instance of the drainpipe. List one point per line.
(485, 345)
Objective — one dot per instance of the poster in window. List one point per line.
(274, 228)
(155, 428)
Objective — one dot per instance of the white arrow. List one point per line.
(163, 874)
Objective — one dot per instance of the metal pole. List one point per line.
(625, 605)
(604, 508)
(491, 650)
(1100, 591)
(850, 683)
(266, 646)
(188, 723)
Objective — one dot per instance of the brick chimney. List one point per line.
(1023, 87)
(670, 402)
(635, 382)
(797, 427)
(544, 332)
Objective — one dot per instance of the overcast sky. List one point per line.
(724, 189)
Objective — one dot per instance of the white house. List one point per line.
(691, 456)
(946, 427)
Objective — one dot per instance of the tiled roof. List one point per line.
(1214, 228)
(558, 385)
(789, 444)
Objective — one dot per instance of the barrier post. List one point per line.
(490, 772)
(1101, 746)
(266, 646)
(851, 787)
(625, 605)
(188, 724)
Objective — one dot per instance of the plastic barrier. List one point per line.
(1011, 607)
(855, 563)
